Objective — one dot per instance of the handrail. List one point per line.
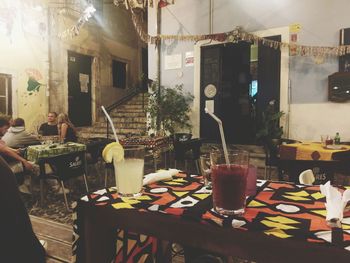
(132, 92)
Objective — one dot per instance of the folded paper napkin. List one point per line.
(159, 176)
(335, 201)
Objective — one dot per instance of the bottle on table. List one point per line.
(337, 138)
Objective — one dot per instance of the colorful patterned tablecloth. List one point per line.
(150, 143)
(282, 210)
(309, 151)
(36, 152)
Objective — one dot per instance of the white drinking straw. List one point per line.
(111, 122)
(221, 128)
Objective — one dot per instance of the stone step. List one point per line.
(118, 129)
(128, 114)
(137, 101)
(123, 120)
(101, 132)
(129, 118)
(122, 124)
(128, 108)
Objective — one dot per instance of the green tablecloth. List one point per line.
(37, 152)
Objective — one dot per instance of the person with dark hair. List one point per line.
(7, 151)
(18, 241)
(49, 128)
(67, 131)
(17, 137)
(4, 124)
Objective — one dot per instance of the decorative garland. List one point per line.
(318, 52)
(75, 29)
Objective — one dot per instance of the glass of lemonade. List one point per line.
(229, 181)
(129, 171)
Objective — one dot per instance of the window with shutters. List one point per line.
(119, 74)
(5, 94)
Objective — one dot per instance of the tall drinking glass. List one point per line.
(129, 171)
(229, 181)
(204, 161)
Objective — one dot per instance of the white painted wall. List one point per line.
(309, 121)
(320, 20)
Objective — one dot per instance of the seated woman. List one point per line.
(66, 129)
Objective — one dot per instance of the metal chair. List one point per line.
(185, 150)
(64, 167)
(272, 156)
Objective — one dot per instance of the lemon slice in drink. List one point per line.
(113, 150)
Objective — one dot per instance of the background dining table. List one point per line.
(324, 161)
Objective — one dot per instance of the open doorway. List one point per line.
(237, 82)
(79, 89)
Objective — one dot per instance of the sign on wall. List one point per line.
(173, 62)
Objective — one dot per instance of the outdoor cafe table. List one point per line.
(283, 222)
(297, 157)
(39, 153)
(154, 145)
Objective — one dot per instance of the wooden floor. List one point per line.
(58, 238)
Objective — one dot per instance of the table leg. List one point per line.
(41, 175)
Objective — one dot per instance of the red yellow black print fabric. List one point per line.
(281, 210)
(286, 211)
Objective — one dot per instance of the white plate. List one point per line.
(334, 147)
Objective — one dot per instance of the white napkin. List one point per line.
(335, 201)
(159, 176)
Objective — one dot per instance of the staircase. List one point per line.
(128, 118)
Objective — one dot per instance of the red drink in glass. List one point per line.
(229, 188)
(329, 141)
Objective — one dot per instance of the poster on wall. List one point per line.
(84, 81)
(173, 62)
(189, 59)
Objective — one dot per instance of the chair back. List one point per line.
(191, 145)
(94, 148)
(272, 150)
(68, 165)
(181, 137)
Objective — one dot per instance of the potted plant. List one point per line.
(169, 109)
(269, 130)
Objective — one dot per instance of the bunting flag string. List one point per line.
(319, 52)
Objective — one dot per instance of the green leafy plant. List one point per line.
(268, 126)
(169, 109)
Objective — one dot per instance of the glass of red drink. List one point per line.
(229, 181)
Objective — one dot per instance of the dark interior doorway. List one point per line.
(79, 89)
(144, 70)
(240, 94)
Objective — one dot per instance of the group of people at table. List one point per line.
(14, 138)
(18, 240)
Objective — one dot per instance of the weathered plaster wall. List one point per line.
(321, 21)
(23, 49)
(111, 36)
(30, 46)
